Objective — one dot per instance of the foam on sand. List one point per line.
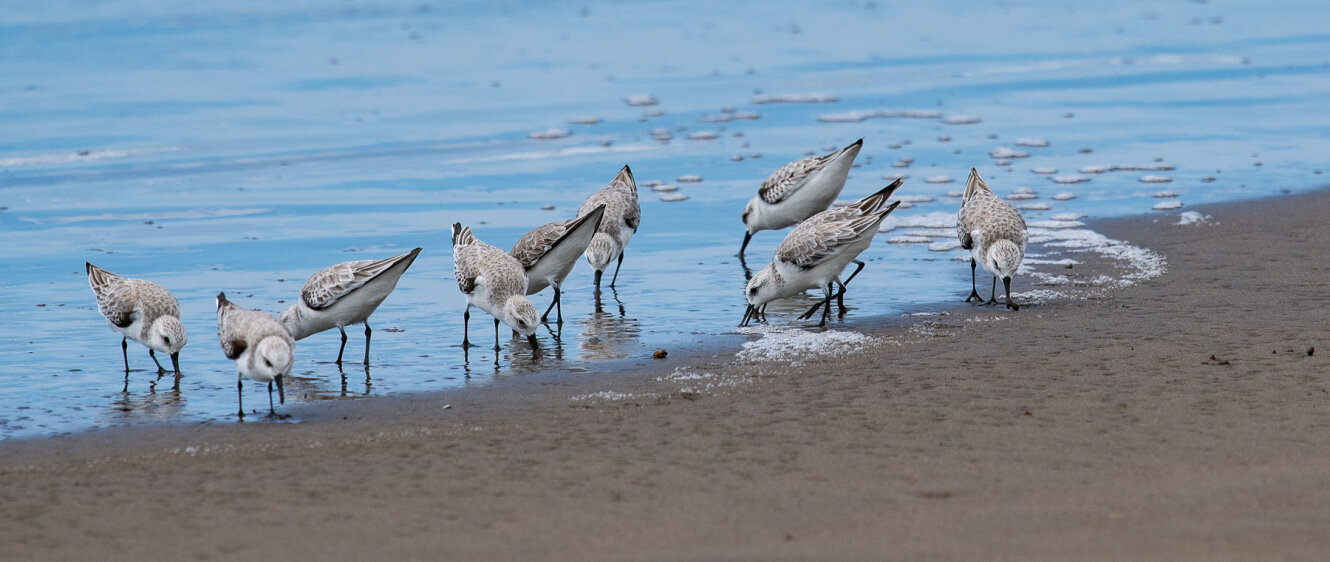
(797, 346)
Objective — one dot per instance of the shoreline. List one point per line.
(1181, 417)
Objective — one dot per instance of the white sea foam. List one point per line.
(938, 179)
(606, 396)
(960, 120)
(1005, 153)
(703, 135)
(915, 198)
(1151, 178)
(673, 197)
(664, 188)
(1034, 207)
(1165, 194)
(1044, 171)
(1068, 216)
(1064, 196)
(688, 178)
(1031, 142)
(1167, 205)
(550, 134)
(936, 219)
(815, 97)
(1022, 194)
(587, 120)
(641, 100)
(1188, 218)
(796, 346)
(909, 240)
(65, 157)
(1068, 179)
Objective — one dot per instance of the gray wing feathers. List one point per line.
(324, 288)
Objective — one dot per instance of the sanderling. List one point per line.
(260, 345)
(994, 233)
(815, 253)
(622, 216)
(798, 190)
(345, 294)
(142, 311)
(548, 253)
(493, 281)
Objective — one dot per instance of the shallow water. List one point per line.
(242, 146)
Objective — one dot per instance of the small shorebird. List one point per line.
(815, 253)
(493, 281)
(142, 311)
(345, 294)
(798, 190)
(548, 253)
(994, 233)
(622, 216)
(260, 345)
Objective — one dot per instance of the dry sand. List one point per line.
(1084, 430)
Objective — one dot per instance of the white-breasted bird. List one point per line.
(345, 294)
(494, 282)
(815, 253)
(623, 214)
(548, 252)
(798, 190)
(260, 345)
(142, 311)
(994, 233)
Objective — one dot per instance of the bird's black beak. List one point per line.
(535, 346)
(748, 315)
(281, 392)
(175, 362)
(747, 236)
(598, 273)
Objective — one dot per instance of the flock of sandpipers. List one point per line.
(813, 255)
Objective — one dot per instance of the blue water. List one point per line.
(241, 146)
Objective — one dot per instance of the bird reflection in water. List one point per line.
(369, 384)
(606, 335)
(158, 403)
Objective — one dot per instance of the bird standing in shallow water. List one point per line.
(493, 281)
(142, 311)
(345, 294)
(815, 253)
(548, 252)
(623, 214)
(798, 190)
(994, 233)
(259, 343)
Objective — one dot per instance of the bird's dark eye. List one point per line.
(752, 291)
(269, 363)
(168, 339)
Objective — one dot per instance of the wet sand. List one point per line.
(1180, 418)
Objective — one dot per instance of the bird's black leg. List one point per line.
(826, 311)
(974, 289)
(343, 348)
(616, 270)
(993, 298)
(840, 297)
(496, 335)
(124, 352)
(240, 397)
(856, 271)
(152, 353)
(1006, 281)
(466, 323)
(546, 317)
(271, 410)
(367, 332)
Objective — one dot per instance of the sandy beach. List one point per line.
(1186, 417)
